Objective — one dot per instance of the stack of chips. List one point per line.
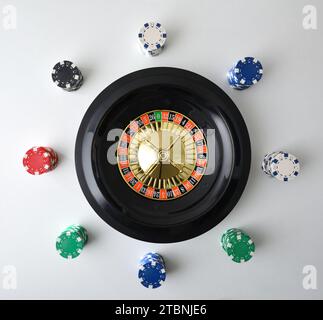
(152, 38)
(152, 272)
(238, 245)
(39, 160)
(67, 76)
(245, 73)
(281, 165)
(71, 241)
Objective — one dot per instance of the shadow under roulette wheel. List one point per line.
(163, 155)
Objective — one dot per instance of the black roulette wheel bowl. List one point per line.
(211, 110)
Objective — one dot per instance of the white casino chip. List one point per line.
(152, 38)
(284, 166)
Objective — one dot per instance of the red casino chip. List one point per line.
(54, 158)
(39, 160)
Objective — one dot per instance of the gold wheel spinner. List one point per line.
(162, 155)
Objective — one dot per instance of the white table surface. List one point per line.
(284, 111)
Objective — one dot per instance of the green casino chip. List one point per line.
(71, 242)
(80, 230)
(238, 245)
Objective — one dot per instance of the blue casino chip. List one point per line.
(152, 274)
(233, 81)
(245, 73)
(248, 71)
(151, 256)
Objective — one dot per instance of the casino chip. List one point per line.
(281, 165)
(71, 241)
(265, 163)
(245, 73)
(67, 76)
(150, 256)
(152, 272)
(238, 245)
(152, 38)
(39, 160)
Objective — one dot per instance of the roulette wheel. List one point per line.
(162, 155)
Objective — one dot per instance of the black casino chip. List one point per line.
(67, 76)
(162, 155)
